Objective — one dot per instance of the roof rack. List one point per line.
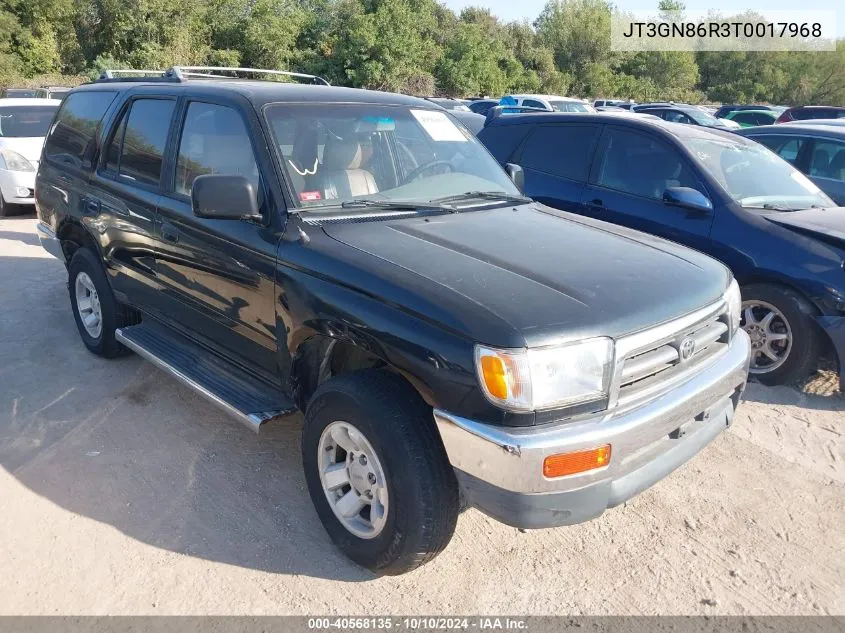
(214, 72)
(184, 73)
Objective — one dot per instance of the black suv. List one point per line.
(360, 257)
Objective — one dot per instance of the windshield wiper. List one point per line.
(394, 205)
(485, 195)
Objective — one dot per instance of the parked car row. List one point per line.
(46, 92)
(361, 257)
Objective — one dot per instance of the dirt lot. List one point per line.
(122, 492)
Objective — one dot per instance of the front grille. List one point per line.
(645, 369)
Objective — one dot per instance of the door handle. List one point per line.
(169, 233)
(596, 203)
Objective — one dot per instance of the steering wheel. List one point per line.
(419, 171)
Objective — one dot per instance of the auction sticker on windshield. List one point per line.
(438, 126)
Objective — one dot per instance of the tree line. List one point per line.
(412, 46)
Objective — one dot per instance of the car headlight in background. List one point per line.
(734, 300)
(11, 160)
(541, 378)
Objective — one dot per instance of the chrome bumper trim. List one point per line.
(511, 458)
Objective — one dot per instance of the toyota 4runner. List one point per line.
(360, 257)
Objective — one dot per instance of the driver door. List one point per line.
(628, 177)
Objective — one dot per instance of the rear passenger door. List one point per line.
(556, 159)
(631, 172)
(218, 274)
(124, 194)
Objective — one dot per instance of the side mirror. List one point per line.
(516, 174)
(687, 197)
(224, 197)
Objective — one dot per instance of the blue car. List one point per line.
(711, 190)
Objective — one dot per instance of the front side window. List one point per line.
(76, 124)
(26, 121)
(787, 147)
(335, 153)
(642, 166)
(756, 177)
(144, 140)
(214, 140)
(828, 160)
(676, 117)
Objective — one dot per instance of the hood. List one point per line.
(827, 225)
(547, 275)
(28, 147)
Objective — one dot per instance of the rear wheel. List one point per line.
(96, 311)
(377, 471)
(784, 341)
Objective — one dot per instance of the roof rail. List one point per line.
(128, 73)
(182, 73)
(496, 111)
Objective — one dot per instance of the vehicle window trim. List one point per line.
(600, 150)
(178, 128)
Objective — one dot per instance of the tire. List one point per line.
(113, 315)
(422, 492)
(802, 355)
(5, 208)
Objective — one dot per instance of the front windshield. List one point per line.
(756, 177)
(336, 153)
(25, 121)
(570, 106)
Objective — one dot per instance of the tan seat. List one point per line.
(342, 174)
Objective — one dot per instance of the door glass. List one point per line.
(828, 160)
(113, 150)
(214, 141)
(76, 124)
(642, 166)
(144, 140)
(560, 150)
(531, 103)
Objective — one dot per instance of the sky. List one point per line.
(530, 9)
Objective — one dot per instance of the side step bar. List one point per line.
(245, 396)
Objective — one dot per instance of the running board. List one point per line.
(245, 396)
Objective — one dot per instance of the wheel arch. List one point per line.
(73, 235)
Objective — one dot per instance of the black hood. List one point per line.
(546, 275)
(827, 225)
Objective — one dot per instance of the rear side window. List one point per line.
(502, 140)
(531, 103)
(214, 141)
(828, 160)
(72, 136)
(144, 140)
(560, 150)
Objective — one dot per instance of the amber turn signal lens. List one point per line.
(493, 372)
(578, 462)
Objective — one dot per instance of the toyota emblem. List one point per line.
(687, 349)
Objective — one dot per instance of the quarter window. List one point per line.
(641, 165)
(76, 125)
(214, 141)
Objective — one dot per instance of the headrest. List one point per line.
(341, 154)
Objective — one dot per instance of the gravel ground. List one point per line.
(122, 492)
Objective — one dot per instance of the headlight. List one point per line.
(11, 160)
(734, 300)
(531, 379)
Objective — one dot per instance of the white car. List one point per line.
(23, 125)
(548, 102)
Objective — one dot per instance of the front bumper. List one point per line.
(49, 241)
(500, 470)
(13, 184)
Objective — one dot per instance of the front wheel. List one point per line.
(784, 341)
(377, 471)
